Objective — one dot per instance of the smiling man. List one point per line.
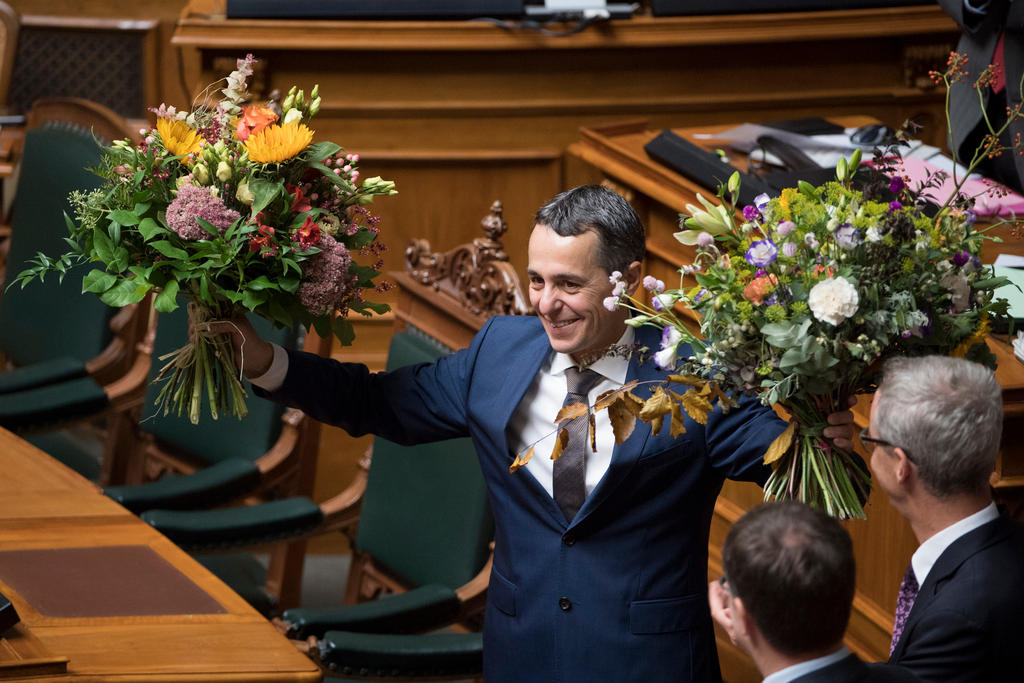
(600, 558)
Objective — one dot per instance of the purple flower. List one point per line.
(789, 249)
(705, 240)
(653, 284)
(961, 258)
(325, 277)
(611, 302)
(700, 295)
(195, 202)
(761, 201)
(895, 206)
(847, 236)
(785, 227)
(751, 214)
(970, 217)
(761, 253)
(896, 184)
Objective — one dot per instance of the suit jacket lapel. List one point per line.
(945, 568)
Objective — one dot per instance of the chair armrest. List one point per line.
(51, 405)
(372, 656)
(421, 609)
(208, 487)
(50, 371)
(236, 527)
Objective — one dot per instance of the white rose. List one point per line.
(833, 300)
(293, 116)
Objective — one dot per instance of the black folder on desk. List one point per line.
(708, 170)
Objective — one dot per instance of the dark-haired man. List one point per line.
(788, 595)
(936, 424)
(600, 559)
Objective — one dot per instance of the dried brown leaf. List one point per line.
(521, 460)
(678, 425)
(695, 405)
(781, 444)
(691, 380)
(623, 419)
(724, 401)
(593, 431)
(656, 408)
(612, 395)
(571, 411)
(560, 443)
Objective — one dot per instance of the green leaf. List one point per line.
(261, 283)
(251, 299)
(318, 151)
(149, 229)
(263, 192)
(785, 334)
(127, 291)
(123, 217)
(141, 208)
(98, 281)
(342, 329)
(166, 300)
(102, 245)
(208, 227)
(169, 250)
(289, 284)
(375, 306)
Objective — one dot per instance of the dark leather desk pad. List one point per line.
(106, 581)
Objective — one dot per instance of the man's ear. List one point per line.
(904, 469)
(741, 618)
(632, 276)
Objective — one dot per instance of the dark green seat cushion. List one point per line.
(204, 488)
(71, 448)
(51, 405)
(420, 609)
(370, 655)
(42, 373)
(236, 527)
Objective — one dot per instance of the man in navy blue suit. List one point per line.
(611, 587)
(936, 424)
(786, 597)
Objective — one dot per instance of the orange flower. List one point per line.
(822, 270)
(758, 288)
(254, 118)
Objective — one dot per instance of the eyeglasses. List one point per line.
(865, 437)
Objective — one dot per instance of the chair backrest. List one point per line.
(47, 319)
(8, 47)
(211, 441)
(425, 513)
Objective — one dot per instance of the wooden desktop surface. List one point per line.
(44, 505)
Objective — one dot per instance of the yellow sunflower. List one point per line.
(178, 137)
(278, 143)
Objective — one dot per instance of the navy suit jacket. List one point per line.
(852, 670)
(620, 594)
(965, 624)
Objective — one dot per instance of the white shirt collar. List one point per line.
(614, 367)
(927, 553)
(804, 668)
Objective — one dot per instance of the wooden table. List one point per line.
(45, 506)
(883, 543)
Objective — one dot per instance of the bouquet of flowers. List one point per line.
(802, 296)
(236, 207)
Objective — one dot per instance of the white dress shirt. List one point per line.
(804, 668)
(928, 552)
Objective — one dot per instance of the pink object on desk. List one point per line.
(988, 201)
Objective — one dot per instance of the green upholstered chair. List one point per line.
(424, 534)
(191, 467)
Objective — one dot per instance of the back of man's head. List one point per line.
(947, 415)
(792, 566)
(606, 213)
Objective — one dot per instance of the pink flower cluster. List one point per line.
(195, 202)
(325, 277)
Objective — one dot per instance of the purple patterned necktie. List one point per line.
(570, 470)
(904, 603)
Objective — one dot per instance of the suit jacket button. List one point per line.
(564, 604)
(569, 539)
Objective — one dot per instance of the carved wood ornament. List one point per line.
(477, 274)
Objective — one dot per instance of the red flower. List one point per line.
(300, 203)
(263, 242)
(308, 235)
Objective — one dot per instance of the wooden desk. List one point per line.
(44, 505)
(883, 543)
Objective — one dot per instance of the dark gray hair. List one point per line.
(604, 211)
(793, 567)
(947, 413)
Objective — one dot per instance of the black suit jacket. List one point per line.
(966, 621)
(853, 670)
